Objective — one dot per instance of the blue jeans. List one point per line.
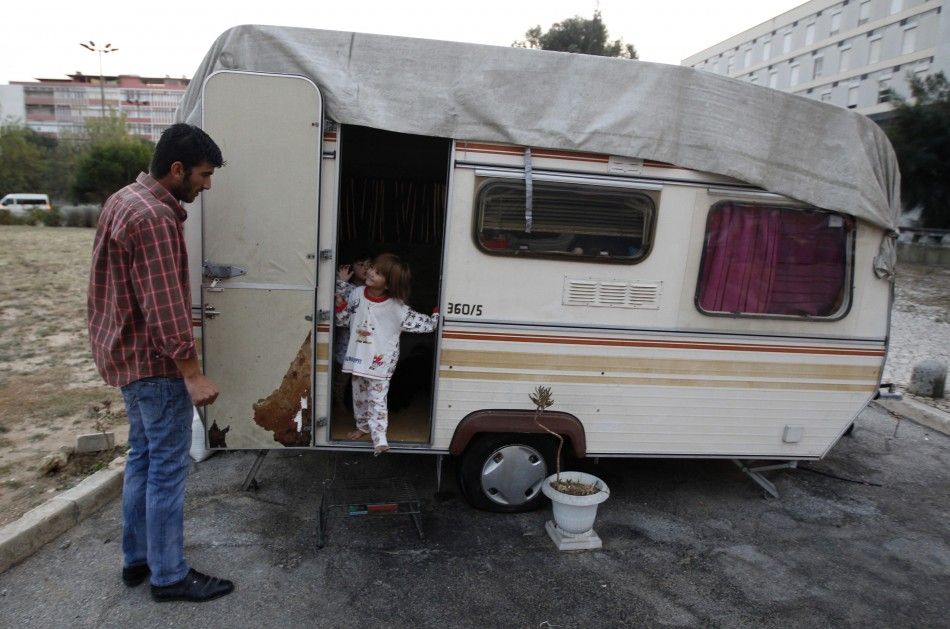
(153, 495)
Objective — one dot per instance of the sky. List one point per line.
(41, 39)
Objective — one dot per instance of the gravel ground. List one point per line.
(920, 324)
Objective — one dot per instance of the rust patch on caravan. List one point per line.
(216, 436)
(287, 410)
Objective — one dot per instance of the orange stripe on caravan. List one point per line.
(323, 327)
(573, 340)
(329, 137)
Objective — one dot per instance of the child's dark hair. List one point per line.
(357, 253)
(396, 272)
(187, 144)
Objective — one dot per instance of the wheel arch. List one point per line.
(518, 421)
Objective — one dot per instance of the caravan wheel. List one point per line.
(503, 473)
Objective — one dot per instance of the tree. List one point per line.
(109, 165)
(576, 34)
(24, 157)
(920, 133)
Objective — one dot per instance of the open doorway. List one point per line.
(392, 199)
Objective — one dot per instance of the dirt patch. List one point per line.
(49, 389)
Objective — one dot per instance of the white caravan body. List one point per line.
(507, 211)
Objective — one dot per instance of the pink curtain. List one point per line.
(761, 260)
(740, 259)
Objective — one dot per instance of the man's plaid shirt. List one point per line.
(139, 302)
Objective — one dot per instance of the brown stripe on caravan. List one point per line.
(506, 149)
(329, 137)
(707, 345)
(323, 327)
(567, 362)
(655, 382)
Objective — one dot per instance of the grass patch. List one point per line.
(42, 394)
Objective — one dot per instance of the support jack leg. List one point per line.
(755, 473)
(250, 482)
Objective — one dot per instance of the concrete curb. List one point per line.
(919, 413)
(39, 526)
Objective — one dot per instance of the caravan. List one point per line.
(696, 266)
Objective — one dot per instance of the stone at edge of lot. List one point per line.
(56, 460)
(95, 442)
(927, 378)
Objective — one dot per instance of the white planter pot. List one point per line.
(575, 515)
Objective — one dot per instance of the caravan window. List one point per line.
(771, 260)
(567, 220)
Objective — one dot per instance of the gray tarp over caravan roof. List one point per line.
(823, 155)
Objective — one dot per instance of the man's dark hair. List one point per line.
(187, 144)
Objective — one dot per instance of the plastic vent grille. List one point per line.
(611, 293)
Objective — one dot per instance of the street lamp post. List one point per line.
(91, 45)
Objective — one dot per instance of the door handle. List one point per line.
(209, 311)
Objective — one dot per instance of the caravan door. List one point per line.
(259, 258)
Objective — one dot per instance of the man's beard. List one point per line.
(183, 191)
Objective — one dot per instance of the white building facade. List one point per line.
(12, 105)
(845, 52)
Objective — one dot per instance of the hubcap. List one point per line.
(512, 474)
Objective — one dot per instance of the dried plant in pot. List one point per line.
(574, 496)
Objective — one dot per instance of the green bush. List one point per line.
(50, 218)
(9, 218)
(81, 217)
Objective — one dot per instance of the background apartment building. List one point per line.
(62, 106)
(844, 52)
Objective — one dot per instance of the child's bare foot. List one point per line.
(357, 435)
(379, 450)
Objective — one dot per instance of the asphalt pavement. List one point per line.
(861, 538)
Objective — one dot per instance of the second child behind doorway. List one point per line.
(376, 314)
(350, 277)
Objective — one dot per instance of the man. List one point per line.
(140, 331)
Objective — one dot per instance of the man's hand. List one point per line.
(201, 388)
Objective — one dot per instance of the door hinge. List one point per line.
(320, 422)
(326, 254)
(323, 315)
(209, 311)
(217, 271)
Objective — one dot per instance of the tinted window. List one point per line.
(767, 260)
(567, 220)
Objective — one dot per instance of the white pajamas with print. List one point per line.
(369, 408)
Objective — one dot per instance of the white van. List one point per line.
(697, 266)
(20, 203)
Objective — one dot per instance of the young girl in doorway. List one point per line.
(349, 277)
(377, 314)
